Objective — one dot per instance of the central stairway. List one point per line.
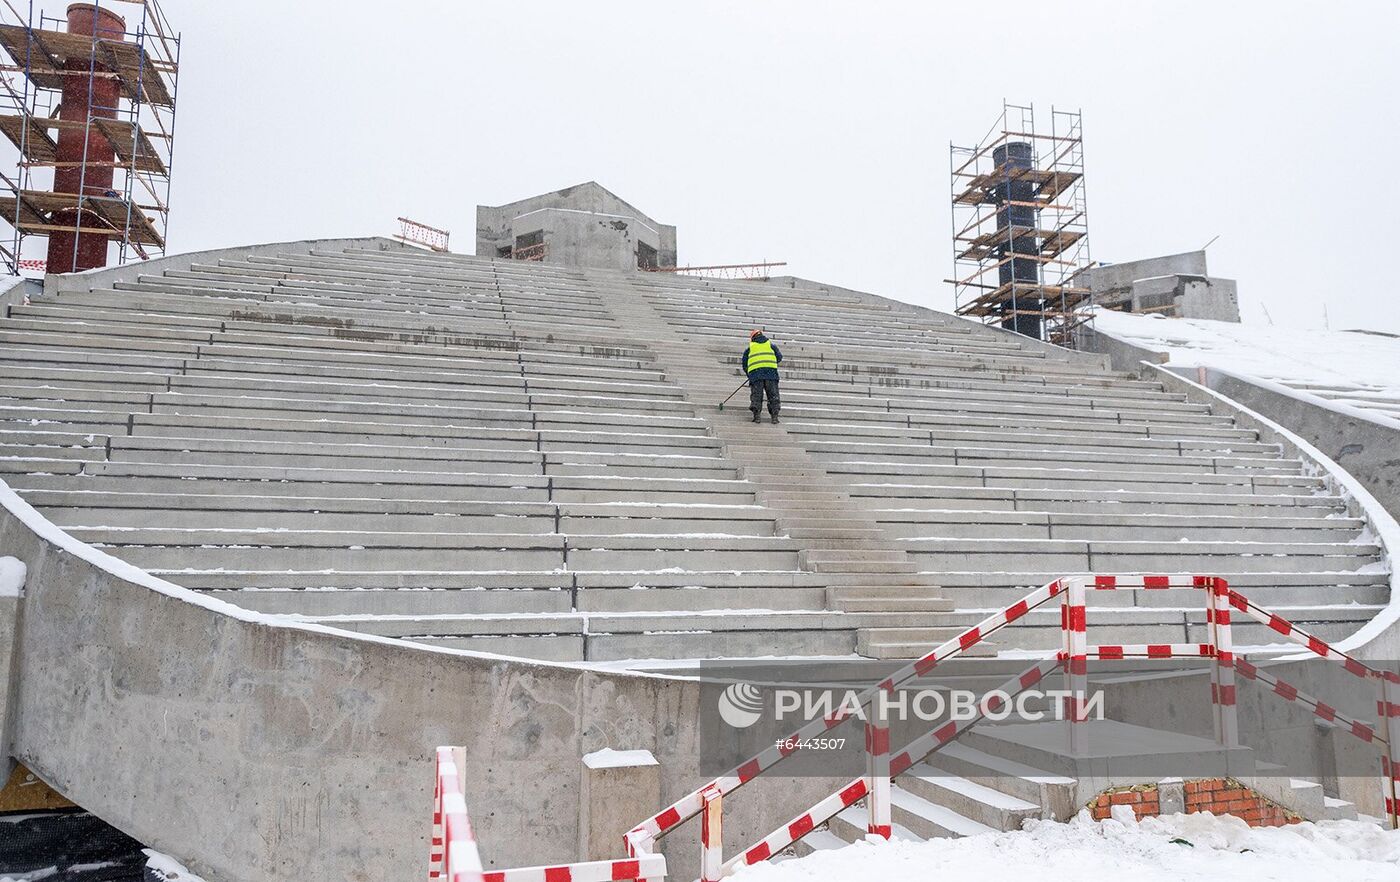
(527, 460)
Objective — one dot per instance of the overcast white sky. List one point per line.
(811, 132)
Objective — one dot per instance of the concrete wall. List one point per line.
(1176, 284)
(1109, 276)
(498, 226)
(1215, 299)
(588, 239)
(254, 749)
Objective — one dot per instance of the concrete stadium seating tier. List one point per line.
(530, 461)
(336, 472)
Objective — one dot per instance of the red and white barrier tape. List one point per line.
(640, 838)
(1146, 582)
(916, 750)
(801, 825)
(644, 868)
(1111, 652)
(1320, 709)
(1303, 638)
(912, 753)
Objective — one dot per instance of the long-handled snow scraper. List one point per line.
(732, 394)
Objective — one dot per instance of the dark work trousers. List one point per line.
(759, 388)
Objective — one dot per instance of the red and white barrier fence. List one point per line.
(453, 854)
(874, 786)
(640, 839)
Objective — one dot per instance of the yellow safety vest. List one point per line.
(761, 355)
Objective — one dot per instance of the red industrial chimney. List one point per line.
(91, 169)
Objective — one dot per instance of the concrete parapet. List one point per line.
(617, 788)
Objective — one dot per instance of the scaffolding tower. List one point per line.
(87, 176)
(1020, 228)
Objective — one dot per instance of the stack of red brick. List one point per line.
(1219, 796)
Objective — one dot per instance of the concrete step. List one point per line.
(1054, 795)
(977, 802)
(930, 820)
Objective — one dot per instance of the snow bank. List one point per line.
(12, 573)
(1174, 848)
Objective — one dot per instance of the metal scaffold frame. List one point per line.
(39, 56)
(986, 240)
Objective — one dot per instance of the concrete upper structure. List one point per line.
(581, 226)
(1175, 285)
(295, 515)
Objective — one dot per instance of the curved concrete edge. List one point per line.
(1335, 407)
(1365, 442)
(1380, 637)
(105, 276)
(255, 748)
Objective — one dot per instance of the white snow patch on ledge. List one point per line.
(1172, 848)
(12, 573)
(607, 758)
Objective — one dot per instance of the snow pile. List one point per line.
(607, 758)
(166, 868)
(12, 573)
(1354, 368)
(1173, 848)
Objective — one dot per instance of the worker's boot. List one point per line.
(774, 418)
(755, 416)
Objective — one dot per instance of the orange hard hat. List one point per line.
(754, 333)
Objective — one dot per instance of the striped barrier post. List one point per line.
(877, 768)
(435, 834)
(1390, 758)
(460, 861)
(1074, 620)
(1222, 687)
(711, 835)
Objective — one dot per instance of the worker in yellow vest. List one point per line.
(761, 360)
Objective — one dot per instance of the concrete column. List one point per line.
(618, 788)
(83, 95)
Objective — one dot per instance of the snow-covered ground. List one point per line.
(1352, 368)
(1173, 848)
